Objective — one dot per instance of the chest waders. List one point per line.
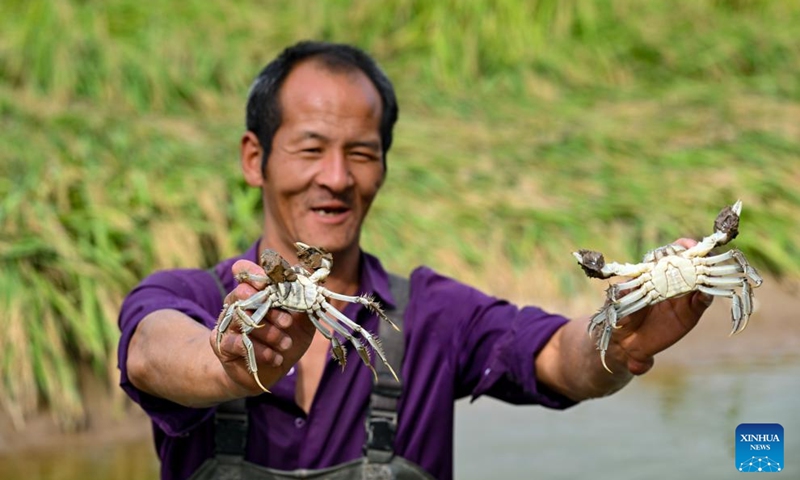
(379, 461)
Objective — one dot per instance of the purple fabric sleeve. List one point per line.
(494, 343)
(192, 292)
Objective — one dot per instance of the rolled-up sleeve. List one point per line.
(192, 292)
(509, 373)
(493, 343)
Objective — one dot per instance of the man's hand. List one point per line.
(278, 344)
(173, 356)
(657, 327)
(570, 363)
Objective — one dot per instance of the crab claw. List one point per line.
(313, 258)
(605, 338)
(591, 262)
(339, 352)
(727, 222)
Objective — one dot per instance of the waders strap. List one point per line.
(382, 415)
(230, 421)
(213, 272)
(230, 428)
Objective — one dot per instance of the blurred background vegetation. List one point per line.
(528, 129)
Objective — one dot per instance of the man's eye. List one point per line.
(363, 156)
(311, 152)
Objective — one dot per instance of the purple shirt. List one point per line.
(459, 342)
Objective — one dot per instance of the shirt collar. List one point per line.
(375, 280)
(252, 253)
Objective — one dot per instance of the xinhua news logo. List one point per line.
(759, 447)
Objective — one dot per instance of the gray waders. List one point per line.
(379, 461)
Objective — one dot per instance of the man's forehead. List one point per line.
(311, 74)
(319, 99)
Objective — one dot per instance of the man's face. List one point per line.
(325, 166)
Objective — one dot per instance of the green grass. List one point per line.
(527, 130)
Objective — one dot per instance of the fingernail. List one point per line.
(284, 321)
(286, 343)
(278, 360)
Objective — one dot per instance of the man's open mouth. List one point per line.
(330, 211)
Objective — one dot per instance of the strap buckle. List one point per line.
(381, 430)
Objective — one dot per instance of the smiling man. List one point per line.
(319, 126)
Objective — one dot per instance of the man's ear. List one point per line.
(250, 153)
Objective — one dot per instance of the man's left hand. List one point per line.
(657, 327)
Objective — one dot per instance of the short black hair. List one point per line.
(263, 107)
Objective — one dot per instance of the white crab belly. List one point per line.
(673, 276)
(294, 296)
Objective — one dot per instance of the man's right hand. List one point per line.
(173, 356)
(278, 344)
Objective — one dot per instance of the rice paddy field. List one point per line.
(527, 130)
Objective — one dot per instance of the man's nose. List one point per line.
(335, 171)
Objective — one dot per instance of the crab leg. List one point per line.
(636, 282)
(247, 323)
(368, 302)
(602, 344)
(370, 339)
(720, 270)
(739, 312)
(260, 313)
(599, 318)
(254, 301)
(720, 281)
(630, 298)
(362, 352)
(224, 320)
(737, 255)
(339, 352)
(227, 315)
(250, 359)
(609, 315)
(749, 271)
(635, 307)
(747, 303)
(716, 258)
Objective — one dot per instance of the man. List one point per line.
(319, 126)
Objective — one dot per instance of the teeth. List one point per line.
(327, 213)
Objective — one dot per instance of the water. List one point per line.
(674, 422)
(121, 460)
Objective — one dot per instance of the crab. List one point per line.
(671, 271)
(299, 288)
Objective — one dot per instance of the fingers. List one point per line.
(685, 242)
(243, 291)
(280, 318)
(268, 347)
(640, 367)
(700, 302)
(247, 272)
(270, 340)
(232, 349)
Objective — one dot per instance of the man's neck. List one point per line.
(345, 273)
